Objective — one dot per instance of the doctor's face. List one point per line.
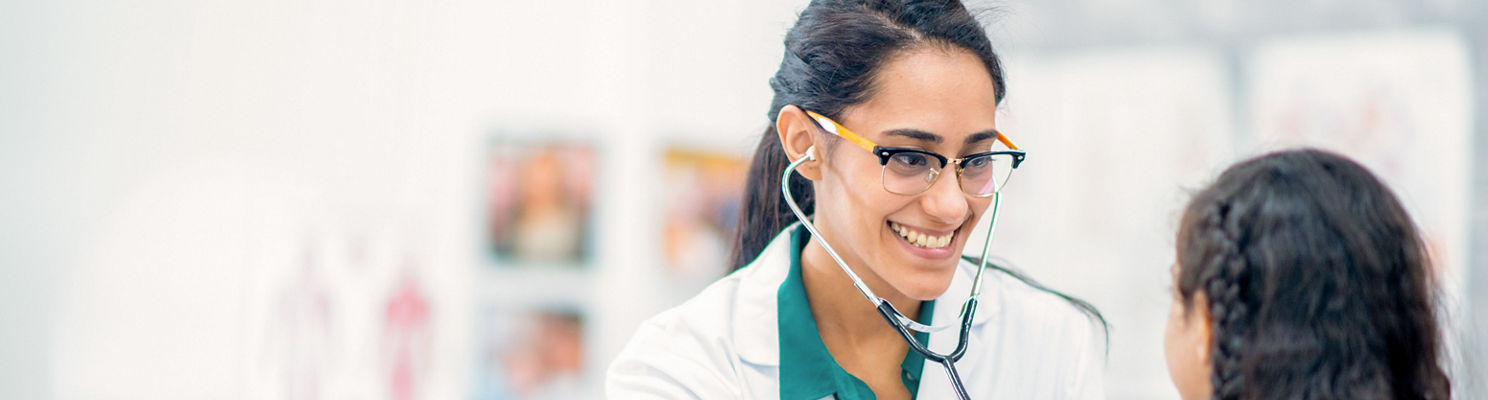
(933, 99)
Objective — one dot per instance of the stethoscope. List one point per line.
(896, 319)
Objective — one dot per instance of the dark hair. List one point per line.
(1319, 286)
(831, 57)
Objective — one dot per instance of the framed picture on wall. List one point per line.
(538, 202)
(703, 191)
(530, 353)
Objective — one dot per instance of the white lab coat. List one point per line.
(724, 343)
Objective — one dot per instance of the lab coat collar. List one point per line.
(755, 326)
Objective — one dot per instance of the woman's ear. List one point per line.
(798, 137)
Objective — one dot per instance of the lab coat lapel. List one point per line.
(755, 324)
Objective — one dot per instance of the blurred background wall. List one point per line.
(474, 199)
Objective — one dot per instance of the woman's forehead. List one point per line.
(937, 92)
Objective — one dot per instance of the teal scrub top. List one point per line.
(807, 370)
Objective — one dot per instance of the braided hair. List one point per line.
(1223, 286)
(1318, 284)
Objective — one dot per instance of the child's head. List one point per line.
(1299, 275)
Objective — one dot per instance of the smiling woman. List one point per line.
(913, 87)
(928, 100)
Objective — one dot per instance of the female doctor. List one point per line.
(855, 288)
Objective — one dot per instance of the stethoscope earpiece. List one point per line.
(811, 153)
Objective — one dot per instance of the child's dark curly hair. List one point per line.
(1318, 283)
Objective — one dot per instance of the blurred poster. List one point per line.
(532, 354)
(702, 195)
(1399, 103)
(538, 202)
(299, 336)
(406, 342)
(346, 306)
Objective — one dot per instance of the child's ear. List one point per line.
(798, 137)
(1202, 324)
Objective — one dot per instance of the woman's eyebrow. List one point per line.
(915, 134)
(980, 136)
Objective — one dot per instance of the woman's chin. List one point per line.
(927, 287)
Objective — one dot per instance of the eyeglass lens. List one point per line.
(911, 173)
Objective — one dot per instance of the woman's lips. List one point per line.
(926, 244)
(921, 237)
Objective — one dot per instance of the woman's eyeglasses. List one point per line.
(910, 171)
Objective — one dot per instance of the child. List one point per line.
(1300, 276)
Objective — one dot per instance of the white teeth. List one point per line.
(919, 238)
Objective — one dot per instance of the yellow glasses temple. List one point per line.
(841, 131)
(1006, 142)
(835, 128)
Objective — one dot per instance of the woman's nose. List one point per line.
(945, 201)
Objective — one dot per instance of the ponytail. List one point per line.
(765, 212)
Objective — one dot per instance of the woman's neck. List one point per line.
(839, 308)
(851, 329)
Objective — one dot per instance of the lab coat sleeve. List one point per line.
(668, 360)
(1089, 370)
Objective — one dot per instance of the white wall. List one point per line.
(166, 163)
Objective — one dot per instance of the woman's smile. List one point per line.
(926, 243)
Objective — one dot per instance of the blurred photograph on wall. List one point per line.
(702, 195)
(538, 202)
(530, 354)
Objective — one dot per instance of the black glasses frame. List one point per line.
(885, 153)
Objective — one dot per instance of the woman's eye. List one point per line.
(911, 159)
(977, 166)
